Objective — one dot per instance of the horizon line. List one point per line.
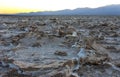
(55, 10)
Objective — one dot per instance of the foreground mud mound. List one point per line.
(60, 46)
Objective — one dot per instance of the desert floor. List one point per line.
(59, 46)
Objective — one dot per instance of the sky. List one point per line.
(23, 6)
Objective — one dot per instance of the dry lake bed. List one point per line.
(59, 46)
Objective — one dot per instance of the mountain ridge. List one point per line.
(104, 10)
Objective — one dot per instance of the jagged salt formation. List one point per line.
(71, 69)
(81, 54)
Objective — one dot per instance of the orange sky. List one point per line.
(12, 10)
(19, 6)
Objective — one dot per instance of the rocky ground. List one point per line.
(60, 46)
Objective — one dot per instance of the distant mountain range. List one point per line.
(105, 10)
